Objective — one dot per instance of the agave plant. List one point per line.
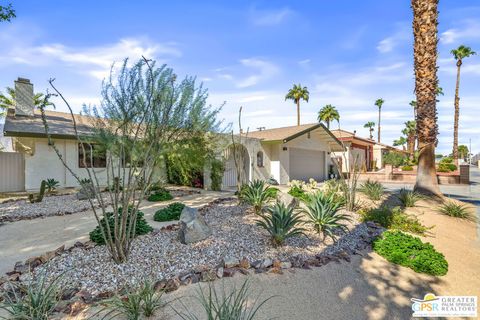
(234, 304)
(323, 212)
(257, 194)
(35, 300)
(281, 222)
(409, 198)
(52, 185)
(373, 189)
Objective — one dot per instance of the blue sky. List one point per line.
(348, 53)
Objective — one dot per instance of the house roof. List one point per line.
(60, 125)
(285, 134)
(350, 136)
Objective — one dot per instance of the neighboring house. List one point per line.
(285, 154)
(366, 154)
(5, 142)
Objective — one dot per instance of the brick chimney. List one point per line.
(24, 97)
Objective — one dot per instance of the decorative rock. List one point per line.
(230, 262)
(220, 272)
(243, 271)
(266, 263)
(21, 268)
(257, 264)
(47, 256)
(193, 227)
(285, 265)
(227, 272)
(84, 295)
(244, 263)
(77, 307)
(287, 199)
(276, 263)
(172, 285)
(160, 285)
(207, 276)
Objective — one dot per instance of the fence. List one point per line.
(12, 172)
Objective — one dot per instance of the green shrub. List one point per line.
(216, 174)
(322, 212)
(281, 222)
(456, 210)
(161, 194)
(396, 159)
(446, 160)
(409, 251)
(35, 300)
(395, 219)
(372, 189)
(446, 167)
(298, 192)
(257, 194)
(407, 168)
(172, 212)
(409, 198)
(141, 226)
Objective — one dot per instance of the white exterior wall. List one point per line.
(44, 164)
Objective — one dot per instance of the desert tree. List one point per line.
(144, 111)
(459, 54)
(425, 54)
(370, 126)
(297, 93)
(379, 103)
(409, 131)
(328, 114)
(402, 141)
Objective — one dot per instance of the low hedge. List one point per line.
(160, 195)
(411, 252)
(172, 212)
(446, 167)
(407, 168)
(141, 227)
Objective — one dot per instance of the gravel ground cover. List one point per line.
(160, 255)
(58, 205)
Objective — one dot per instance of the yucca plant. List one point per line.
(233, 304)
(323, 212)
(372, 189)
(409, 198)
(128, 307)
(257, 194)
(456, 210)
(52, 185)
(281, 222)
(34, 300)
(151, 298)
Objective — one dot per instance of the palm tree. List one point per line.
(370, 126)
(8, 100)
(425, 21)
(463, 152)
(400, 142)
(409, 132)
(413, 104)
(379, 104)
(328, 114)
(460, 53)
(296, 94)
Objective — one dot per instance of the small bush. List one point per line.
(160, 195)
(172, 212)
(396, 159)
(216, 174)
(409, 198)
(453, 209)
(298, 192)
(35, 300)
(372, 189)
(142, 227)
(394, 219)
(446, 167)
(411, 252)
(257, 194)
(52, 185)
(281, 222)
(446, 160)
(407, 168)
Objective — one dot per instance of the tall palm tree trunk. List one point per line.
(425, 20)
(328, 124)
(379, 117)
(457, 113)
(298, 112)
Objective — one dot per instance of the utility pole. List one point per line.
(470, 152)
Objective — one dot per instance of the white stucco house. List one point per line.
(296, 152)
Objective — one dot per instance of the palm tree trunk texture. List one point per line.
(379, 117)
(456, 116)
(298, 112)
(425, 20)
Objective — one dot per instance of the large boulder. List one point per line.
(287, 199)
(193, 227)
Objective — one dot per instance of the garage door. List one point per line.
(306, 164)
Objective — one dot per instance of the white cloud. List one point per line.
(469, 30)
(269, 17)
(264, 68)
(399, 37)
(94, 61)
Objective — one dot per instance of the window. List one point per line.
(94, 156)
(259, 159)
